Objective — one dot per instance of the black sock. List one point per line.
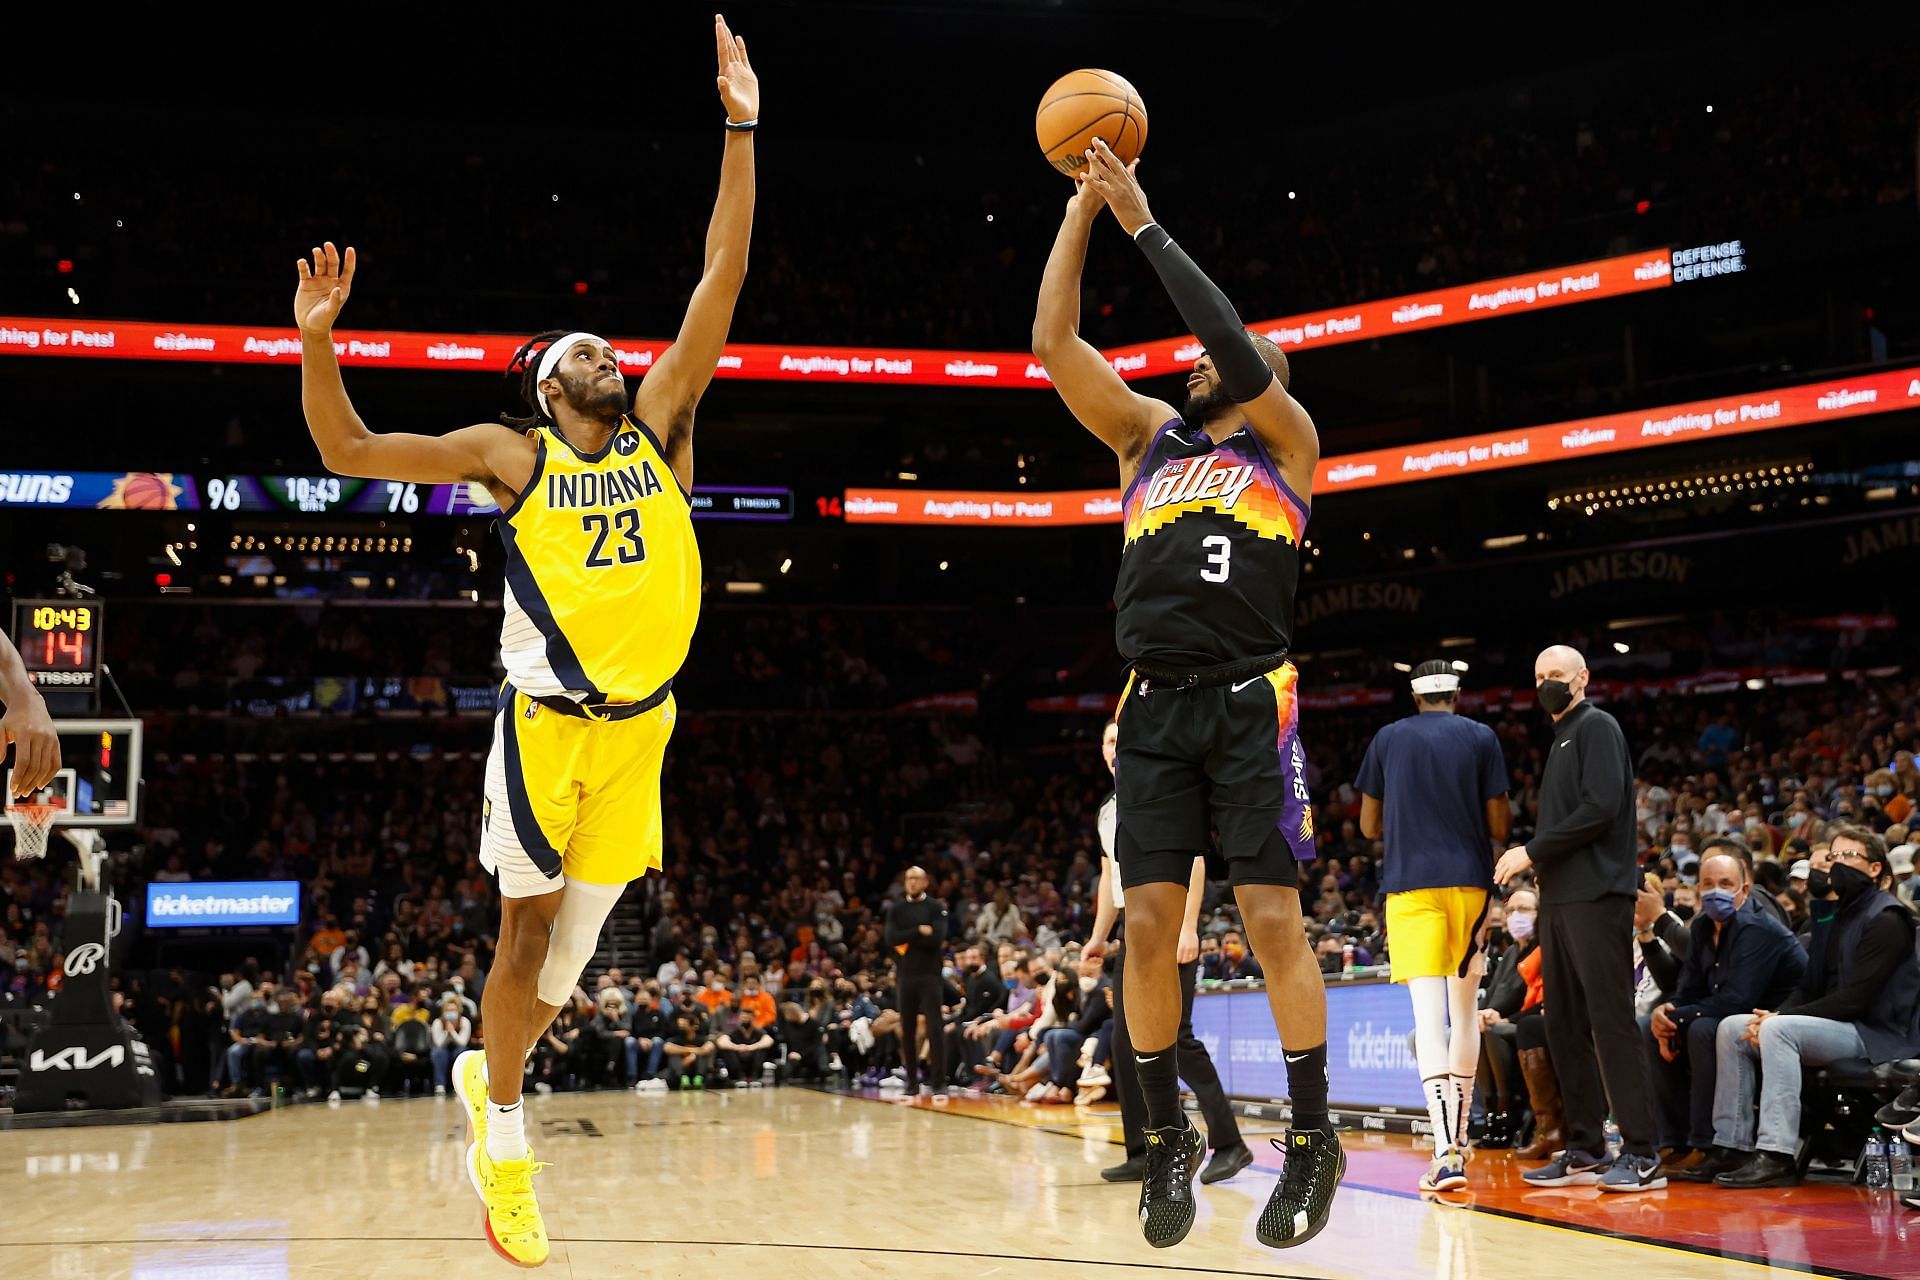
(1159, 1075)
(1307, 1087)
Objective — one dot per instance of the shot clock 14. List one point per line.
(59, 642)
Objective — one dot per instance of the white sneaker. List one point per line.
(893, 1082)
(1448, 1172)
(439, 1091)
(371, 1095)
(543, 1088)
(334, 1096)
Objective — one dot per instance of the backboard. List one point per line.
(99, 779)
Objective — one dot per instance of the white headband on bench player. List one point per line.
(551, 357)
(1441, 683)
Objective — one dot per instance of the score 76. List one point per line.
(402, 497)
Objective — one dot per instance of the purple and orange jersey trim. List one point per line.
(1296, 809)
(1235, 478)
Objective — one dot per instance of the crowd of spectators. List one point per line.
(788, 831)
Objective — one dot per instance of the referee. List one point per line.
(1436, 786)
(1584, 851)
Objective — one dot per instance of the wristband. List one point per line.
(744, 126)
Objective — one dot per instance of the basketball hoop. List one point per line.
(32, 822)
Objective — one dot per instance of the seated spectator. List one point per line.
(246, 1034)
(1513, 997)
(452, 1031)
(1859, 1002)
(646, 1045)
(279, 1038)
(1235, 960)
(1739, 958)
(611, 1031)
(315, 1055)
(412, 1046)
(755, 1002)
(746, 1050)
(690, 1049)
(803, 1044)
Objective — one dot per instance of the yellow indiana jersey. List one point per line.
(603, 573)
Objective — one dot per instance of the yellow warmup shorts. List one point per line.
(572, 799)
(1433, 933)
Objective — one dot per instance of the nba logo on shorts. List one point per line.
(626, 442)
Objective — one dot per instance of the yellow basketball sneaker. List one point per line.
(514, 1226)
(470, 1081)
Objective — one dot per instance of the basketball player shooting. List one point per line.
(602, 593)
(1215, 500)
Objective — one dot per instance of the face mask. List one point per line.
(1554, 695)
(1520, 925)
(1685, 913)
(1679, 848)
(1852, 885)
(1883, 792)
(1088, 984)
(1796, 819)
(1819, 883)
(1718, 904)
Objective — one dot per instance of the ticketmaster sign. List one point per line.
(1369, 1051)
(217, 904)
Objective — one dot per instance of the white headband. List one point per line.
(551, 357)
(1440, 683)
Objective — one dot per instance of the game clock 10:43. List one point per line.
(59, 641)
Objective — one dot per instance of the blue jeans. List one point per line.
(1063, 1053)
(237, 1064)
(655, 1056)
(1786, 1042)
(443, 1056)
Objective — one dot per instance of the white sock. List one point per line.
(506, 1131)
(1440, 1110)
(1430, 1052)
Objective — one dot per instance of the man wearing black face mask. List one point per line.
(1585, 851)
(1738, 958)
(1859, 1000)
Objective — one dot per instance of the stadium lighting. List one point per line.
(1402, 667)
(943, 566)
(786, 564)
(1460, 666)
(1756, 684)
(1506, 540)
(745, 588)
(1620, 646)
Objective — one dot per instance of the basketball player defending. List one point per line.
(1215, 507)
(602, 592)
(1436, 785)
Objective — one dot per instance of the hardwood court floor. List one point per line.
(786, 1183)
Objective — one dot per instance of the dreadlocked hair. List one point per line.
(525, 366)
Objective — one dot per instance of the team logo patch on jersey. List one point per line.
(1207, 478)
(626, 442)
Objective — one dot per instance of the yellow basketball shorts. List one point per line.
(1434, 933)
(570, 798)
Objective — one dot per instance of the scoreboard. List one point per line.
(60, 643)
(337, 495)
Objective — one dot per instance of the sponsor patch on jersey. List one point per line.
(626, 442)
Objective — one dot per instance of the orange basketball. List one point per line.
(145, 491)
(1084, 105)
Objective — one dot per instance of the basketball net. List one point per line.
(32, 822)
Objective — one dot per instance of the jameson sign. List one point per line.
(1854, 556)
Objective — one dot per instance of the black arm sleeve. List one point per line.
(1243, 371)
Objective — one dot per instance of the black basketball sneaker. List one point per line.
(1166, 1195)
(1301, 1200)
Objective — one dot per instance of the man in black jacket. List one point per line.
(1738, 958)
(1584, 850)
(917, 930)
(986, 994)
(1859, 1001)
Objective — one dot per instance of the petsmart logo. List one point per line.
(217, 905)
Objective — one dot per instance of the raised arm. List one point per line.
(1095, 394)
(25, 727)
(1245, 376)
(497, 456)
(672, 388)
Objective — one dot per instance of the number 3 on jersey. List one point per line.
(1219, 558)
(627, 520)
